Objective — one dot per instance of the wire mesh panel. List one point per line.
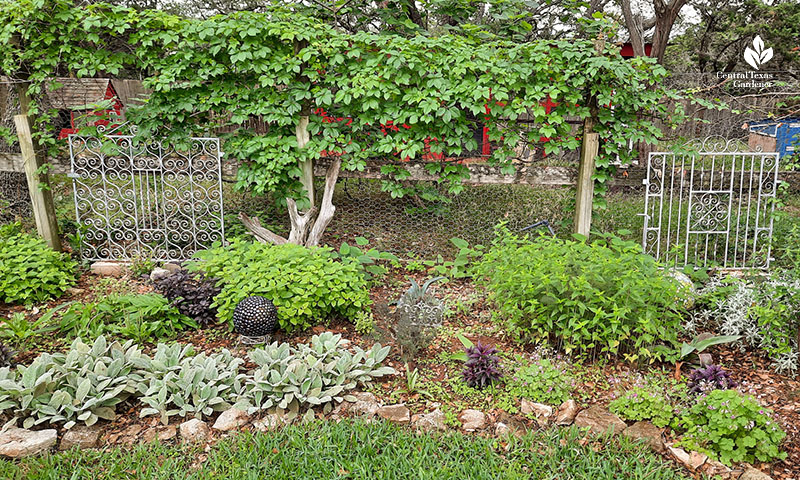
(406, 227)
(711, 206)
(15, 201)
(146, 199)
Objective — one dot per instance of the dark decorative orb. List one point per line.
(255, 317)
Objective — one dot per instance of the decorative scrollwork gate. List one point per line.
(711, 206)
(145, 199)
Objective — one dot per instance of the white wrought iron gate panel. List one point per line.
(147, 200)
(711, 206)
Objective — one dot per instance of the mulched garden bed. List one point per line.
(597, 380)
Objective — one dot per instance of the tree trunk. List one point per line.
(263, 235)
(306, 167)
(634, 24)
(307, 227)
(666, 14)
(326, 209)
(301, 221)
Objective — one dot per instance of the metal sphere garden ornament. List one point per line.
(255, 319)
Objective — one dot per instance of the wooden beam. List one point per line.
(11, 162)
(480, 173)
(33, 158)
(585, 185)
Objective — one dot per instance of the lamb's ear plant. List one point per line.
(190, 385)
(86, 383)
(321, 373)
(83, 385)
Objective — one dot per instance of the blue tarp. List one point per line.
(786, 133)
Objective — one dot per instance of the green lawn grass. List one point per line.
(357, 450)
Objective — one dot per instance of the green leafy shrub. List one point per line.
(138, 317)
(306, 285)
(30, 271)
(602, 296)
(365, 322)
(371, 260)
(141, 266)
(732, 427)
(786, 241)
(461, 265)
(543, 381)
(21, 330)
(641, 403)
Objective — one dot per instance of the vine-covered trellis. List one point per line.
(344, 96)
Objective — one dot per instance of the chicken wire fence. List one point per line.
(406, 228)
(15, 202)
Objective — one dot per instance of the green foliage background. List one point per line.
(281, 65)
(30, 271)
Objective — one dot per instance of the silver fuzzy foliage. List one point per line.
(733, 316)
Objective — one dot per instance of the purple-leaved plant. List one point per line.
(712, 377)
(482, 367)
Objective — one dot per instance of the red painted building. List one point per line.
(78, 99)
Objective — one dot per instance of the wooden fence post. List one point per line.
(585, 185)
(33, 158)
(589, 148)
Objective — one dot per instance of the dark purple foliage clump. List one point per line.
(712, 377)
(482, 367)
(6, 356)
(191, 294)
